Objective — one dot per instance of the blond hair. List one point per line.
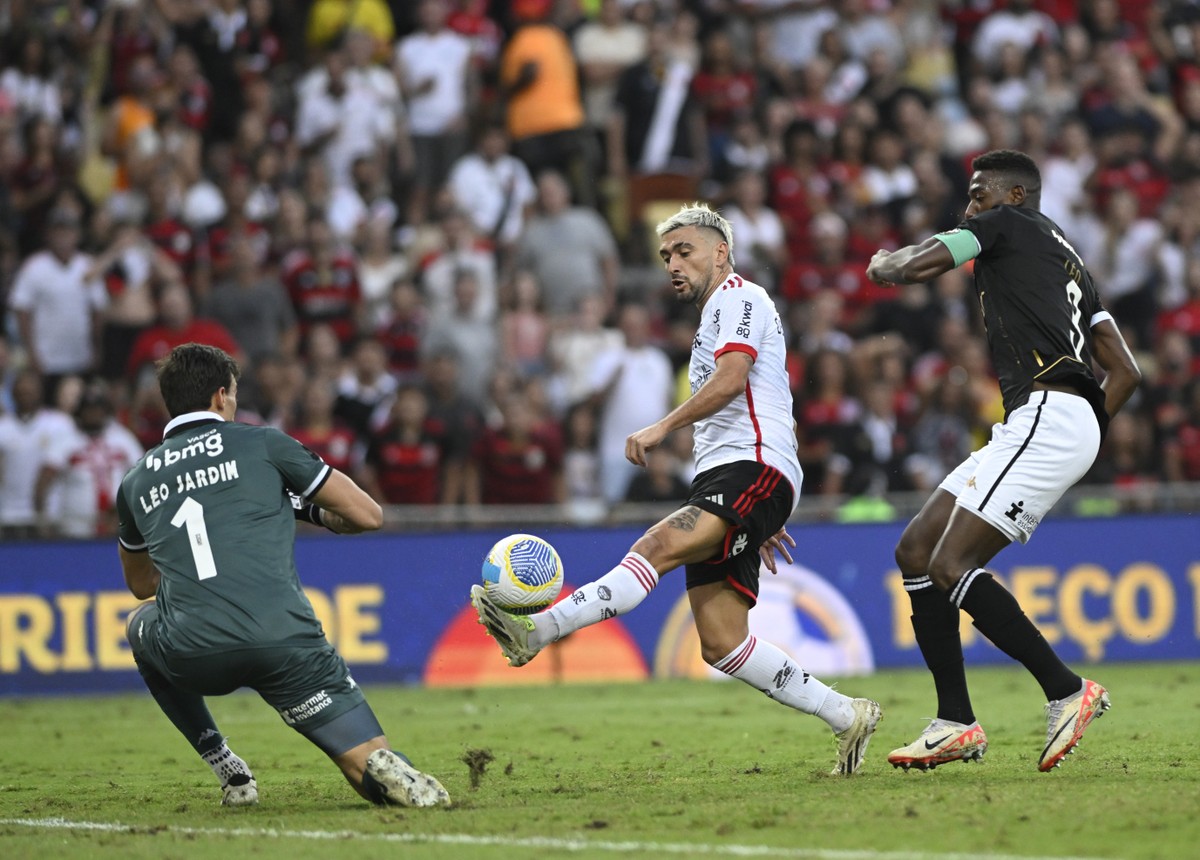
(699, 215)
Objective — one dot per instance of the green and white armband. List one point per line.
(962, 244)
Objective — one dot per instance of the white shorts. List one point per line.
(1042, 449)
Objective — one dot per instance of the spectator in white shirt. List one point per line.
(864, 31)
(1019, 24)
(493, 187)
(888, 180)
(1064, 177)
(629, 384)
(78, 479)
(28, 82)
(1128, 255)
(434, 69)
(462, 250)
(343, 119)
(25, 436)
(58, 308)
(605, 48)
(758, 228)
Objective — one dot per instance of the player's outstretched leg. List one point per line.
(521, 637)
(769, 670)
(511, 632)
(390, 778)
(1066, 720)
(942, 741)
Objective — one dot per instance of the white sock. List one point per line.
(766, 668)
(615, 593)
(225, 763)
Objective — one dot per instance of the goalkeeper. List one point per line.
(207, 523)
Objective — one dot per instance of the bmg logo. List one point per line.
(212, 445)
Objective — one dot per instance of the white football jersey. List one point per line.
(757, 425)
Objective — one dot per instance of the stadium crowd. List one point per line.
(425, 229)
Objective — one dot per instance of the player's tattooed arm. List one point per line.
(684, 519)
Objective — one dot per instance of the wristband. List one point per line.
(311, 513)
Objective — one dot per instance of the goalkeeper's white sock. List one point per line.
(615, 593)
(766, 668)
(225, 763)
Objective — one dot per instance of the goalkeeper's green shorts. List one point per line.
(307, 683)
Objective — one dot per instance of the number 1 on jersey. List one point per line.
(191, 516)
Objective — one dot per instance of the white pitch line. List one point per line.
(514, 842)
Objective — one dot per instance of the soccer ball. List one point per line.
(522, 574)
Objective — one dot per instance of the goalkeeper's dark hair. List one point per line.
(191, 374)
(1017, 168)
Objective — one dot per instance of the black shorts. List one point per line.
(757, 500)
(308, 683)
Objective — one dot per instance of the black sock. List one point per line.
(186, 711)
(935, 623)
(998, 616)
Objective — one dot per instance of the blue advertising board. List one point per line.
(396, 607)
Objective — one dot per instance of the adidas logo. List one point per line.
(718, 499)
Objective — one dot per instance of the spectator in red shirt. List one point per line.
(469, 18)
(218, 247)
(827, 416)
(799, 189)
(193, 94)
(1185, 317)
(831, 268)
(162, 225)
(33, 184)
(404, 459)
(518, 463)
(259, 49)
(177, 325)
(319, 430)
(404, 329)
(322, 281)
(1181, 448)
(724, 89)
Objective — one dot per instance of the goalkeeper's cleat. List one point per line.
(392, 780)
(511, 632)
(241, 790)
(942, 741)
(1066, 720)
(852, 743)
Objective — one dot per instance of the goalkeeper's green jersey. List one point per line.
(211, 506)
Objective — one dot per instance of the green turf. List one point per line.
(707, 765)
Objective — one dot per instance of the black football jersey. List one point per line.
(1038, 303)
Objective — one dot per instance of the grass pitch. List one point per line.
(683, 769)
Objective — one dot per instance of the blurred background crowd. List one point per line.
(425, 228)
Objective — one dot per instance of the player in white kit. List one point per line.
(745, 489)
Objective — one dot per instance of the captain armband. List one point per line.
(962, 245)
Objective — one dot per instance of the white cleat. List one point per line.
(942, 741)
(241, 790)
(852, 743)
(1066, 720)
(402, 784)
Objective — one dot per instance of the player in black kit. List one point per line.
(1045, 324)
